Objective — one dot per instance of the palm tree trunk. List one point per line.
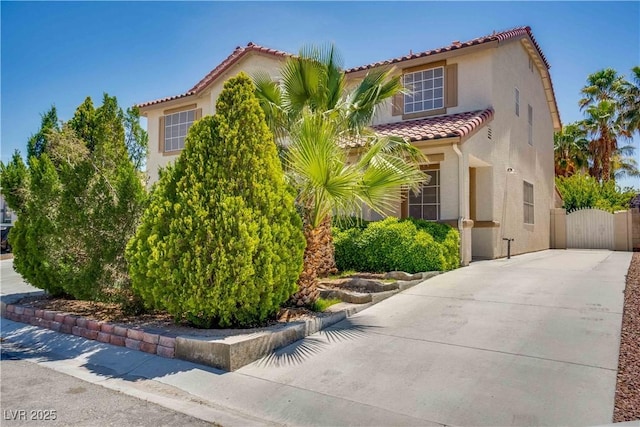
(326, 251)
(308, 281)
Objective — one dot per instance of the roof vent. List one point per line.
(489, 133)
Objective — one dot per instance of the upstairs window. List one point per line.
(426, 90)
(527, 191)
(176, 126)
(530, 120)
(517, 102)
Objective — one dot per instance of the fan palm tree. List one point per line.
(333, 180)
(315, 116)
(604, 128)
(314, 80)
(631, 102)
(603, 85)
(623, 164)
(570, 149)
(608, 104)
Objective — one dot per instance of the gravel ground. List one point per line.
(627, 404)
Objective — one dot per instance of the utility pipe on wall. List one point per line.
(461, 201)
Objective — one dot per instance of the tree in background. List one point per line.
(221, 242)
(610, 104)
(78, 201)
(631, 102)
(571, 149)
(584, 191)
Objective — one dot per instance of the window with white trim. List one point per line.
(426, 204)
(517, 95)
(530, 120)
(527, 196)
(176, 126)
(426, 90)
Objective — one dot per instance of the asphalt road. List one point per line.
(33, 395)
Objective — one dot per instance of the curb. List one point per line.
(222, 351)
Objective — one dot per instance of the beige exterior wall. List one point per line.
(531, 163)
(250, 64)
(474, 84)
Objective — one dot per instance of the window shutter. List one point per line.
(451, 81)
(198, 113)
(397, 104)
(161, 135)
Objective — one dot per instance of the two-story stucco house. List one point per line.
(482, 111)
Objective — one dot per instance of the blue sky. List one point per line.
(59, 53)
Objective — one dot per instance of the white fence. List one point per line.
(590, 229)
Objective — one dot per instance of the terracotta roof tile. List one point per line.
(504, 35)
(453, 125)
(239, 52)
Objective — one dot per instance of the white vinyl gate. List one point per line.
(590, 229)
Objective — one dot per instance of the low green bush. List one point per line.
(392, 244)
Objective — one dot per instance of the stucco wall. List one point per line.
(474, 85)
(531, 163)
(250, 64)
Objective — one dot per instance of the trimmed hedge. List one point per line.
(391, 244)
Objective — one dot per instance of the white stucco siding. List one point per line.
(250, 64)
(531, 163)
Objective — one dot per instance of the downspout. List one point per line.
(461, 201)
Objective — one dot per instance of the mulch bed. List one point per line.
(627, 403)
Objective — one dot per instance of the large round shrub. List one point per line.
(221, 243)
(393, 244)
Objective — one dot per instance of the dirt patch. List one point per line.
(627, 402)
(6, 255)
(113, 313)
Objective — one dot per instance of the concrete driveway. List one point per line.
(528, 341)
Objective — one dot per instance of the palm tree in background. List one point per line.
(333, 159)
(571, 149)
(631, 102)
(608, 102)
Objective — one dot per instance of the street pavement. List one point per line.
(528, 341)
(34, 395)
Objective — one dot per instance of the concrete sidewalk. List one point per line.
(528, 341)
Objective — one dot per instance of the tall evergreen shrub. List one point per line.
(221, 242)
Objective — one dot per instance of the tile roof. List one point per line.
(430, 128)
(235, 56)
(503, 35)
(240, 51)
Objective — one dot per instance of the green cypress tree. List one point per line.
(221, 242)
(38, 142)
(35, 236)
(83, 122)
(78, 204)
